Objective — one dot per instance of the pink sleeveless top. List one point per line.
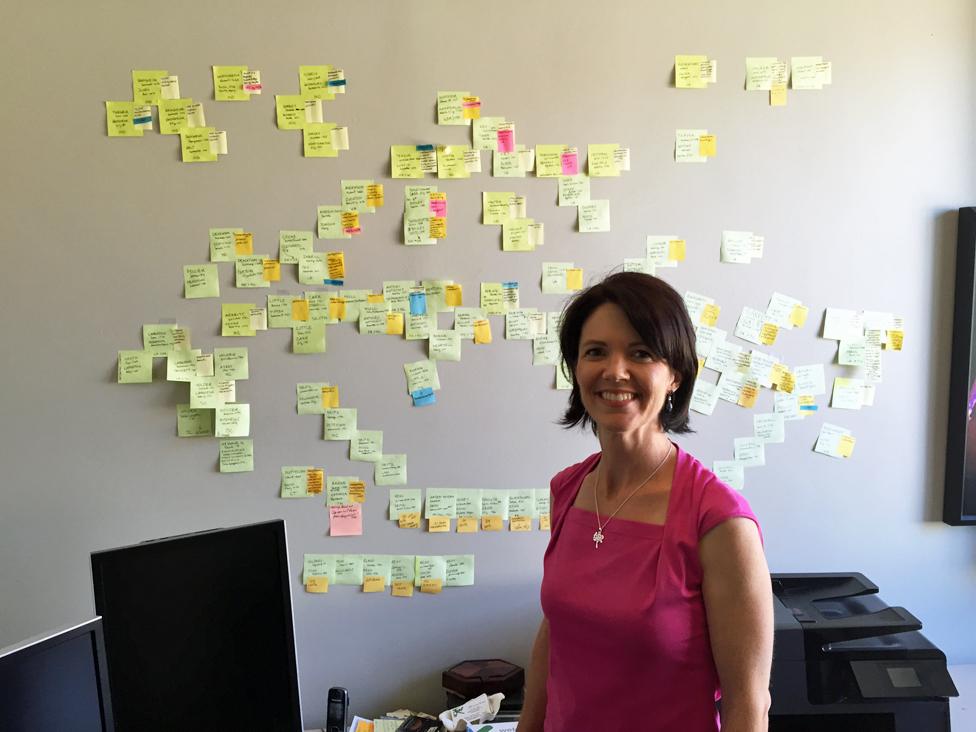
(628, 636)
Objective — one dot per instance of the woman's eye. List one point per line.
(592, 352)
(643, 355)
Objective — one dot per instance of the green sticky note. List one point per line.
(182, 365)
(515, 235)
(330, 223)
(484, 132)
(195, 145)
(229, 84)
(172, 115)
(377, 565)
(445, 345)
(222, 245)
(372, 318)
(508, 165)
(279, 311)
(574, 190)
(521, 502)
(318, 307)
(421, 375)
(309, 398)
(308, 338)
(459, 570)
(290, 111)
(354, 195)
(337, 490)
(314, 81)
(416, 232)
(119, 119)
(419, 326)
(687, 71)
(146, 86)
(232, 420)
(548, 161)
(366, 446)
(441, 502)
(249, 271)
(449, 108)
(594, 216)
(543, 498)
(230, 364)
(391, 470)
(450, 161)
(235, 319)
(319, 565)
(340, 424)
(468, 502)
(349, 569)
(200, 280)
(430, 568)
(317, 140)
(294, 481)
(236, 456)
(312, 268)
(161, 339)
(403, 567)
(495, 503)
(404, 500)
(601, 161)
(193, 422)
(292, 244)
(493, 298)
(496, 207)
(135, 367)
(405, 162)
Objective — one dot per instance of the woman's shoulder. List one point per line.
(710, 499)
(573, 474)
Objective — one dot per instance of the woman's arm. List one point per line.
(739, 606)
(534, 710)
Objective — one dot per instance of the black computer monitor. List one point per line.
(56, 681)
(199, 631)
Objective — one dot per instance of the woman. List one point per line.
(655, 592)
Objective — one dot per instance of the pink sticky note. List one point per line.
(506, 140)
(570, 163)
(438, 208)
(346, 520)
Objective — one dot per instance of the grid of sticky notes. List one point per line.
(400, 574)
(303, 111)
(177, 116)
(508, 210)
(470, 510)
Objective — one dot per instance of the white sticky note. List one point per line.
(750, 451)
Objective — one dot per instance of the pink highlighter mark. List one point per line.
(570, 162)
(438, 208)
(506, 141)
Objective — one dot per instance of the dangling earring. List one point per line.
(669, 407)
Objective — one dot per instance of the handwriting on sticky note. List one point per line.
(520, 523)
(467, 525)
(317, 584)
(402, 588)
(436, 524)
(373, 584)
(409, 520)
(491, 523)
(431, 586)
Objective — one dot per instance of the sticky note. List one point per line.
(710, 315)
(120, 120)
(391, 470)
(229, 84)
(236, 455)
(346, 520)
(357, 491)
(676, 250)
(373, 584)
(437, 227)
(423, 397)
(431, 586)
(308, 338)
(491, 523)
(299, 310)
(896, 339)
(768, 333)
(402, 588)
(437, 524)
(706, 146)
(317, 584)
(314, 480)
(467, 524)
(243, 243)
(409, 520)
(195, 145)
(135, 367)
(147, 85)
(845, 446)
(777, 95)
(340, 424)
(452, 296)
(520, 523)
(545, 522)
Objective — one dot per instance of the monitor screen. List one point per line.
(56, 681)
(199, 632)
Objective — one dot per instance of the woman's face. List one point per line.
(622, 387)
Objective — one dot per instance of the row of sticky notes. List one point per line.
(472, 503)
(303, 111)
(763, 73)
(375, 572)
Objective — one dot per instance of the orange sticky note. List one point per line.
(374, 195)
(788, 382)
(317, 584)
(436, 524)
(364, 725)
(335, 262)
(374, 297)
(357, 491)
(350, 222)
(409, 520)
(709, 315)
(431, 586)
(314, 479)
(896, 339)
(845, 446)
(402, 588)
(482, 331)
(676, 250)
(437, 227)
(798, 316)
(394, 323)
(747, 397)
(520, 523)
(299, 310)
(243, 243)
(452, 296)
(574, 279)
(330, 397)
(777, 95)
(272, 270)
(706, 146)
(337, 308)
(768, 333)
(467, 524)
(491, 523)
(545, 522)
(373, 583)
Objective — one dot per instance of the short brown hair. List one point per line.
(658, 314)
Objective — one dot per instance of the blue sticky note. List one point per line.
(337, 283)
(337, 82)
(142, 120)
(425, 148)
(423, 397)
(418, 303)
(510, 285)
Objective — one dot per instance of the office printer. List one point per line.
(845, 661)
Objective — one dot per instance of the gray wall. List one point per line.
(853, 187)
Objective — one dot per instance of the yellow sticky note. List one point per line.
(373, 583)
(394, 323)
(438, 524)
(896, 339)
(545, 522)
(350, 222)
(437, 228)
(798, 316)
(471, 107)
(374, 195)
(768, 333)
(335, 262)
(272, 270)
(747, 397)
(374, 297)
(431, 586)
(467, 524)
(709, 315)
(317, 584)
(520, 523)
(574, 279)
(243, 244)
(482, 331)
(809, 401)
(314, 479)
(491, 523)
(701, 365)
(337, 308)
(777, 374)
(409, 520)
(330, 397)
(777, 95)
(452, 296)
(299, 310)
(357, 491)
(706, 146)
(676, 250)
(787, 383)
(402, 588)
(845, 446)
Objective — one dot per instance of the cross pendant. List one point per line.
(597, 538)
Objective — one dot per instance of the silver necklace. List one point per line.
(598, 535)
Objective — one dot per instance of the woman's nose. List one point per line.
(615, 367)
